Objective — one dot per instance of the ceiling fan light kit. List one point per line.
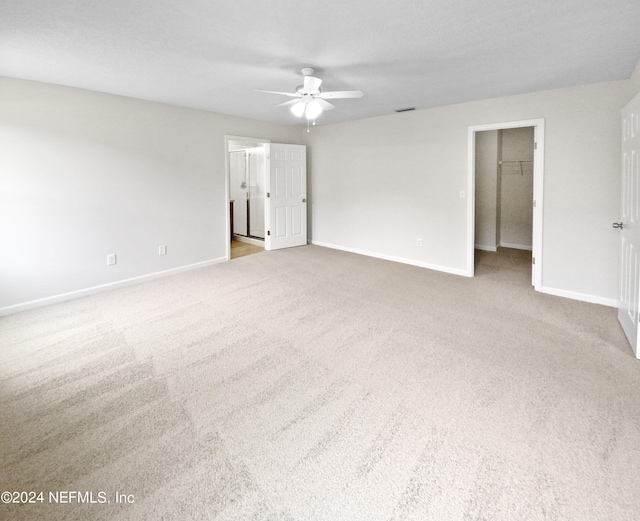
(310, 101)
(314, 109)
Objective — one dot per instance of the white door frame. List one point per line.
(227, 139)
(538, 192)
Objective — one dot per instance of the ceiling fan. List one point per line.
(310, 100)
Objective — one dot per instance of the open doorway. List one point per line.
(505, 180)
(247, 182)
(504, 210)
(282, 201)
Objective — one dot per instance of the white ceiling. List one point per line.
(216, 54)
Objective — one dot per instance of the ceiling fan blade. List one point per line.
(342, 94)
(325, 104)
(311, 83)
(290, 94)
(288, 103)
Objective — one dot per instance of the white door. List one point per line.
(630, 224)
(286, 197)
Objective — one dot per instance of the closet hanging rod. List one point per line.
(519, 163)
(502, 162)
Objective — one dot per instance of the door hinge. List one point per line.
(268, 194)
(533, 260)
(534, 203)
(269, 232)
(535, 145)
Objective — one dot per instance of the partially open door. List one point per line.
(286, 202)
(629, 225)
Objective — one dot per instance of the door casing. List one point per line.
(538, 193)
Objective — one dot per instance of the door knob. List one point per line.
(304, 200)
(617, 225)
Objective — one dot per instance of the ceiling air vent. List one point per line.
(406, 110)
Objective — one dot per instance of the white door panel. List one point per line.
(630, 224)
(287, 195)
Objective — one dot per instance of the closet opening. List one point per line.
(506, 181)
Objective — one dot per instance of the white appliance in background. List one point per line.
(247, 183)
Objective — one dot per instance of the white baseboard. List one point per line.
(249, 240)
(515, 246)
(485, 248)
(23, 306)
(593, 299)
(584, 297)
(402, 260)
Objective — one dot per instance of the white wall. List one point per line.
(84, 174)
(380, 183)
(486, 229)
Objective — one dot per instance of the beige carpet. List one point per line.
(313, 384)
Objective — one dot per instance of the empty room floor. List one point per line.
(315, 384)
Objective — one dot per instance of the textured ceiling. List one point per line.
(215, 55)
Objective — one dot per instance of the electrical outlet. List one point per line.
(111, 259)
(162, 250)
(418, 242)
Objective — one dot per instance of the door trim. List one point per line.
(227, 139)
(538, 192)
